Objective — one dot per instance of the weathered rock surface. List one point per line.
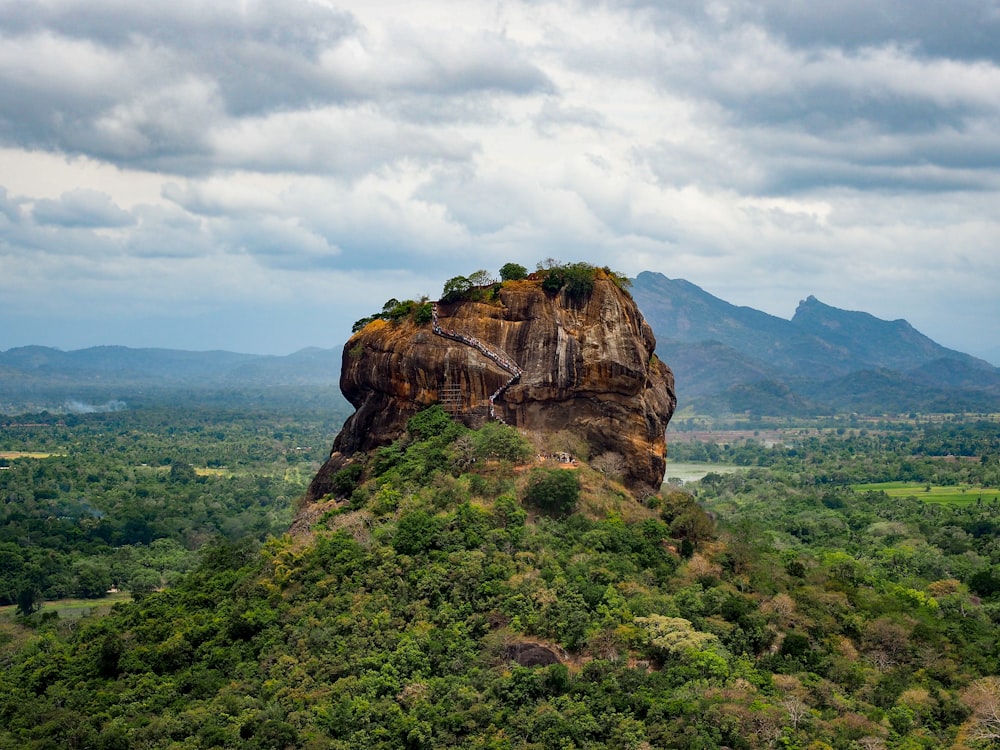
(588, 368)
(531, 654)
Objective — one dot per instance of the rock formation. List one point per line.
(581, 365)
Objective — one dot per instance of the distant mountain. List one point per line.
(38, 377)
(726, 359)
(992, 356)
(824, 360)
(891, 344)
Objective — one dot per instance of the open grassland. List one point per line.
(692, 471)
(70, 609)
(28, 454)
(953, 494)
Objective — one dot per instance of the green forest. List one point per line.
(125, 499)
(461, 595)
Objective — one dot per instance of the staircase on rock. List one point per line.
(500, 357)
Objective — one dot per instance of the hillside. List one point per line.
(467, 596)
(824, 360)
(450, 580)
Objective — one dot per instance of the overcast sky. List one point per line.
(255, 176)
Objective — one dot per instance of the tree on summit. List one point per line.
(513, 272)
(455, 289)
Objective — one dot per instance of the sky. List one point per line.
(255, 176)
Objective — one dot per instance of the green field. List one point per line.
(952, 494)
(72, 609)
(28, 454)
(692, 471)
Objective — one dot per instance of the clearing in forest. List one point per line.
(958, 494)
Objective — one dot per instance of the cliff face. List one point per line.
(587, 367)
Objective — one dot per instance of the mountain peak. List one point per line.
(543, 362)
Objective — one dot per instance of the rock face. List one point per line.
(587, 367)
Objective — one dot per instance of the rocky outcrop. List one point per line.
(530, 654)
(585, 366)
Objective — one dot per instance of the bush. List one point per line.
(579, 280)
(345, 481)
(399, 311)
(553, 490)
(513, 272)
(576, 278)
(500, 441)
(424, 314)
(433, 421)
(415, 532)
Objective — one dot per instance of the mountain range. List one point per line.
(824, 360)
(33, 378)
(726, 359)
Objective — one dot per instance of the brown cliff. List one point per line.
(587, 368)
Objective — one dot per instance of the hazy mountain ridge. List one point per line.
(726, 358)
(735, 359)
(33, 378)
(320, 366)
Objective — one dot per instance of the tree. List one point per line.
(182, 472)
(455, 289)
(28, 600)
(415, 532)
(500, 441)
(513, 272)
(610, 464)
(431, 422)
(553, 490)
(93, 579)
(480, 278)
(983, 697)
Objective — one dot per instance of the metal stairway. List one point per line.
(500, 357)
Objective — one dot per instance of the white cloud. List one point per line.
(81, 208)
(175, 160)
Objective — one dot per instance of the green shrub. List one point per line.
(620, 280)
(500, 441)
(579, 280)
(433, 421)
(576, 278)
(346, 480)
(424, 314)
(400, 310)
(554, 491)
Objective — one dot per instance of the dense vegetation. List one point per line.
(796, 612)
(576, 280)
(394, 310)
(125, 499)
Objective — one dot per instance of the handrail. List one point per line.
(504, 360)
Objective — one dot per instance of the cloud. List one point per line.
(332, 141)
(190, 160)
(9, 209)
(81, 208)
(186, 88)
